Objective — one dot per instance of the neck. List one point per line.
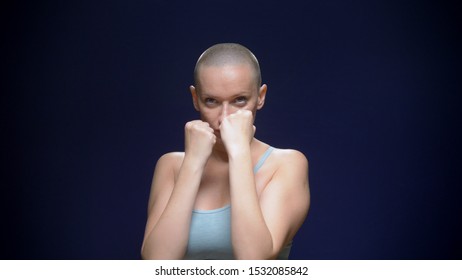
(219, 151)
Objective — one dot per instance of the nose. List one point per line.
(224, 113)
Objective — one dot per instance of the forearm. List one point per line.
(251, 237)
(169, 237)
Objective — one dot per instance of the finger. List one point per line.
(207, 126)
(243, 111)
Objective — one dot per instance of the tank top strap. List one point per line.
(262, 159)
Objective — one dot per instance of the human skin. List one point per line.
(217, 169)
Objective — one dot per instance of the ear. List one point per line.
(261, 96)
(194, 97)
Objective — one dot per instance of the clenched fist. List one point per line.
(237, 130)
(199, 140)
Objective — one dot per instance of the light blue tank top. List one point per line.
(210, 231)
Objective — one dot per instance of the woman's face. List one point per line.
(225, 89)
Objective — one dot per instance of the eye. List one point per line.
(210, 101)
(241, 100)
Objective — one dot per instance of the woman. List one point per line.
(228, 195)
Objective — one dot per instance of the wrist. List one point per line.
(239, 151)
(194, 162)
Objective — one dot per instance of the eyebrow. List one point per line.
(210, 95)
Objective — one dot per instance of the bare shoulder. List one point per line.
(167, 167)
(164, 176)
(290, 159)
(168, 164)
(285, 200)
(171, 159)
(290, 173)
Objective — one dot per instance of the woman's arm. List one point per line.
(171, 201)
(250, 235)
(286, 198)
(262, 226)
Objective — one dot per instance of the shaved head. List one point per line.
(227, 54)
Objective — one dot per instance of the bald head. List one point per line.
(227, 54)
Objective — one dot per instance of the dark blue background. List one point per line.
(96, 91)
